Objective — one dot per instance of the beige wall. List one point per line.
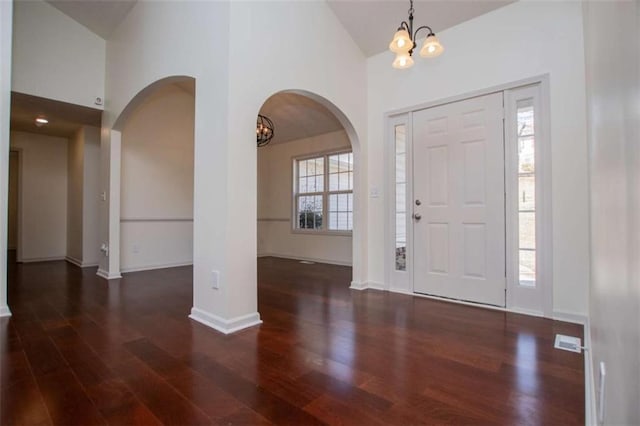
(612, 57)
(43, 197)
(157, 182)
(275, 175)
(14, 173)
(91, 197)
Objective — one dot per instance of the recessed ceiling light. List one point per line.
(40, 121)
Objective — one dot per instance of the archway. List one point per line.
(310, 222)
(156, 173)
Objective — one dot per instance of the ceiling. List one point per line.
(100, 16)
(64, 119)
(372, 23)
(297, 117)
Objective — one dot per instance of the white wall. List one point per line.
(55, 57)
(43, 196)
(216, 44)
(275, 177)
(6, 21)
(612, 45)
(157, 182)
(75, 178)
(518, 41)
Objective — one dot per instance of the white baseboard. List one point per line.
(104, 274)
(42, 259)
(401, 291)
(226, 326)
(79, 263)
(5, 311)
(155, 266)
(374, 285)
(590, 413)
(308, 259)
(357, 285)
(570, 317)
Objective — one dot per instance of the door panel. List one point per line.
(458, 163)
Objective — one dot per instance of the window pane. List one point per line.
(526, 192)
(333, 182)
(527, 225)
(528, 268)
(320, 183)
(310, 212)
(401, 200)
(401, 168)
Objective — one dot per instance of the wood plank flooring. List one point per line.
(82, 351)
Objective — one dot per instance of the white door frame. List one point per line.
(399, 283)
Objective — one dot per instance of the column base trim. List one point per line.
(104, 274)
(225, 326)
(5, 311)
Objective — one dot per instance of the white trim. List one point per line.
(368, 285)
(155, 219)
(308, 259)
(469, 95)
(572, 317)
(5, 311)
(104, 274)
(42, 259)
(590, 413)
(155, 266)
(357, 285)
(79, 263)
(226, 326)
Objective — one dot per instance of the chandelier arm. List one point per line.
(415, 35)
(405, 26)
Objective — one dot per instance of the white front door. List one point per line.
(458, 206)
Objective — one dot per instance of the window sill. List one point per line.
(322, 232)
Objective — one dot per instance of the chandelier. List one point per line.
(404, 42)
(264, 130)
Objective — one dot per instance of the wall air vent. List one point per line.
(568, 343)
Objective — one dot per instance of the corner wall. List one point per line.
(613, 89)
(275, 180)
(518, 41)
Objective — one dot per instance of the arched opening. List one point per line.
(156, 176)
(307, 189)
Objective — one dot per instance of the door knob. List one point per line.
(418, 202)
(417, 216)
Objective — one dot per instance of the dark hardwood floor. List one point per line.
(81, 350)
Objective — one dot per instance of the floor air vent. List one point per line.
(307, 262)
(568, 343)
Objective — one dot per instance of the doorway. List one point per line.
(469, 217)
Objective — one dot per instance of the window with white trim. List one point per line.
(323, 192)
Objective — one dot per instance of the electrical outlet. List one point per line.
(215, 280)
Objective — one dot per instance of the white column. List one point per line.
(110, 210)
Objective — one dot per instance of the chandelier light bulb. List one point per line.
(401, 42)
(431, 47)
(403, 61)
